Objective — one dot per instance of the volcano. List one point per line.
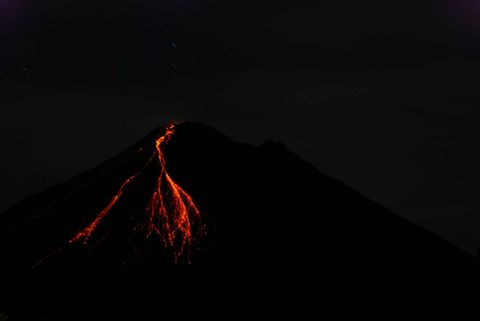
(188, 224)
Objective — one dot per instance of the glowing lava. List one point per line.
(171, 212)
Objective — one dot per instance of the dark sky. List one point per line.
(382, 96)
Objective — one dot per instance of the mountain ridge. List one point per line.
(276, 226)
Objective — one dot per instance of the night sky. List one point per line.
(381, 96)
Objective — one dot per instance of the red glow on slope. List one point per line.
(171, 211)
(87, 232)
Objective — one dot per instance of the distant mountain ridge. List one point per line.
(276, 228)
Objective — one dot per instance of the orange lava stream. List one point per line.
(171, 211)
(87, 232)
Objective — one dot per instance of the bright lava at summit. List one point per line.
(170, 213)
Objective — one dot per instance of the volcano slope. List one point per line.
(261, 234)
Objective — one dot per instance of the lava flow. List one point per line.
(170, 213)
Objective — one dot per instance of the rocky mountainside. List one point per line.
(260, 234)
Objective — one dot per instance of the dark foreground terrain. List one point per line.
(284, 241)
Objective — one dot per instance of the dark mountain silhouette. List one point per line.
(283, 241)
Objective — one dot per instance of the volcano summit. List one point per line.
(267, 235)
